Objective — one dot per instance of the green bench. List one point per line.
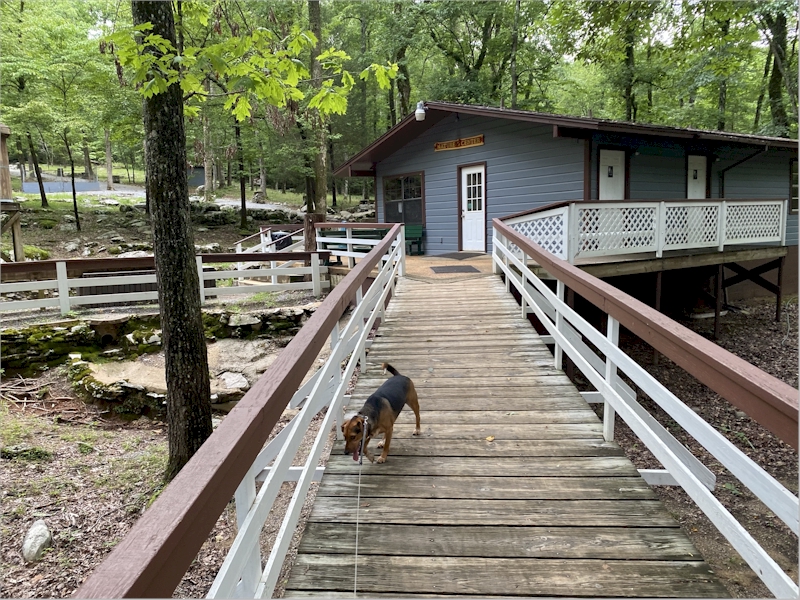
(415, 236)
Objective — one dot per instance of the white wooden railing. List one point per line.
(269, 245)
(241, 574)
(350, 246)
(600, 228)
(567, 330)
(63, 285)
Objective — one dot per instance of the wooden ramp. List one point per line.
(511, 489)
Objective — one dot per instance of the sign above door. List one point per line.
(475, 140)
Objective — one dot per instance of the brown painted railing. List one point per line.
(76, 267)
(769, 401)
(153, 557)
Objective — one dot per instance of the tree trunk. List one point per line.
(330, 161)
(777, 107)
(37, 170)
(763, 90)
(514, 44)
(630, 98)
(242, 184)
(228, 174)
(310, 232)
(208, 155)
(109, 163)
(722, 97)
(147, 207)
(72, 175)
(320, 137)
(392, 109)
(262, 175)
(188, 388)
(87, 162)
(23, 158)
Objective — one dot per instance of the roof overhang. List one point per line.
(363, 163)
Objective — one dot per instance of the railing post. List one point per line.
(723, 208)
(316, 275)
(661, 231)
(351, 261)
(244, 497)
(496, 270)
(362, 356)
(558, 353)
(572, 236)
(612, 334)
(63, 287)
(523, 279)
(337, 377)
(199, 260)
(784, 216)
(239, 265)
(402, 269)
(262, 231)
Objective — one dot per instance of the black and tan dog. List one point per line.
(378, 415)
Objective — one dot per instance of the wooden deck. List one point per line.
(511, 489)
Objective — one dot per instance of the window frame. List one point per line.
(794, 171)
(401, 176)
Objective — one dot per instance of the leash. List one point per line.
(358, 501)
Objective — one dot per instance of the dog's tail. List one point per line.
(390, 368)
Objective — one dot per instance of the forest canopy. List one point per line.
(66, 73)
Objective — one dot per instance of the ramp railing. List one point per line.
(151, 560)
(769, 401)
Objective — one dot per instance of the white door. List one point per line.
(696, 177)
(612, 175)
(473, 209)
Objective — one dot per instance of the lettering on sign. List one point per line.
(475, 140)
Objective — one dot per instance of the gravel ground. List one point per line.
(103, 473)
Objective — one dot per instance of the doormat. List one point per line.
(455, 269)
(461, 255)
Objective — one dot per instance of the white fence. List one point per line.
(568, 330)
(241, 574)
(586, 229)
(64, 286)
(269, 245)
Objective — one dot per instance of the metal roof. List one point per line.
(409, 128)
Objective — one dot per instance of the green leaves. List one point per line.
(256, 66)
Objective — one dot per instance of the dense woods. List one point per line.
(256, 103)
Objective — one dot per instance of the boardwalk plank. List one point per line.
(500, 448)
(532, 431)
(477, 466)
(529, 513)
(376, 485)
(528, 577)
(475, 417)
(500, 541)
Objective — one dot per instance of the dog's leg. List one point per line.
(387, 439)
(413, 402)
(367, 453)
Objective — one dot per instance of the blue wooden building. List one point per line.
(460, 166)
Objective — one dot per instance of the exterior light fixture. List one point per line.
(419, 114)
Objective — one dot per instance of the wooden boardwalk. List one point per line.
(511, 489)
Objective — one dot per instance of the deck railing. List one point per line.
(269, 244)
(350, 240)
(769, 401)
(151, 560)
(600, 228)
(54, 276)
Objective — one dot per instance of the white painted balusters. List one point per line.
(612, 334)
(558, 352)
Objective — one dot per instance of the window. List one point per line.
(403, 199)
(793, 184)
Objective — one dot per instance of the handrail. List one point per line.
(769, 401)
(85, 265)
(151, 560)
(552, 205)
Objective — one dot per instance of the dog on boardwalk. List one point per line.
(379, 414)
